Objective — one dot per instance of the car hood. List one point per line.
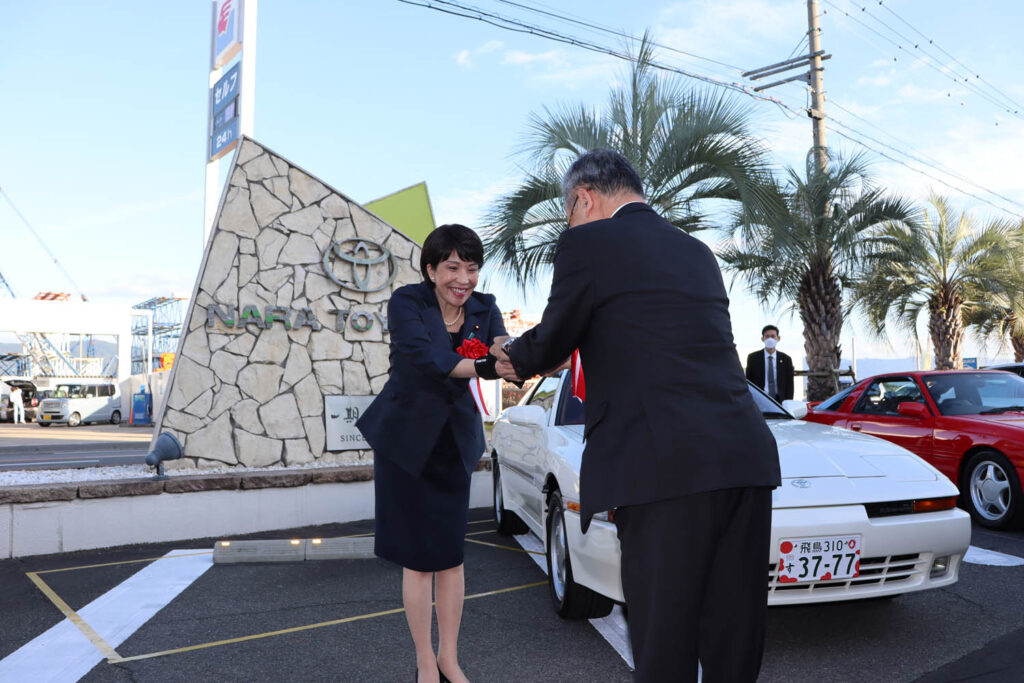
(826, 466)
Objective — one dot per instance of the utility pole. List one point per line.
(817, 112)
(813, 77)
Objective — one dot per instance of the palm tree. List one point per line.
(807, 247)
(689, 148)
(946, 265)
(1001, 314)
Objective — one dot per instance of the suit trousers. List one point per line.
(695, 576)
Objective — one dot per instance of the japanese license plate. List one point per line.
(819, 559)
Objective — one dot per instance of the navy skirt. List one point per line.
(421, 521)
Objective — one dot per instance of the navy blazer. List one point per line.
(405, 421)
(668, 410)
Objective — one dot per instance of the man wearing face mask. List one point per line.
(771, 369)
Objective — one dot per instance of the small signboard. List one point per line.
(224, 122)
(340, 415)
(971, 363)
(224, 140)
(227, 32)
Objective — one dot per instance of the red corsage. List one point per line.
(472, 348)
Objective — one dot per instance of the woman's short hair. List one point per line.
(605, 171)
(443, 241)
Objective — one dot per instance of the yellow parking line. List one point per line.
(505, 547)
(112, 564)
(295, 629)
(94, 638)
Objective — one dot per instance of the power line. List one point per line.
(613, 32)
(927, 160)
(42, 243)
(853, 135)
(958, 76)
(927, 59)
(939, 48)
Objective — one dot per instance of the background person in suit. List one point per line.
(427, 437)
(771, 369)
(674, 442)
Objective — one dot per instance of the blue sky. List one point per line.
(102, 128)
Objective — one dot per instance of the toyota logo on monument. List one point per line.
(364, 265)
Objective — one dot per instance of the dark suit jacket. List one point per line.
(783, 372)
(668, 411)
(404, 422)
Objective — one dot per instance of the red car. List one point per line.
(968, 424)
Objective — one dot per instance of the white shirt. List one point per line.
(16, 397)
(635, 201)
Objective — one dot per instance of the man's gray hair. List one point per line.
(605, 171)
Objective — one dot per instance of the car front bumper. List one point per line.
(898, 552)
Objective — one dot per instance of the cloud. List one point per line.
(551, 57)
(699, 26)
(465, 57)
(879, 81)
(122, 212)
(469, 206)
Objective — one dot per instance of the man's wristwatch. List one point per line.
(508, 344)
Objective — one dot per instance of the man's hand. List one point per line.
(496, 348)
(506, 371)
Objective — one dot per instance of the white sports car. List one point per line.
(855, 517)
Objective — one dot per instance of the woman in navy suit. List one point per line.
(428, 436)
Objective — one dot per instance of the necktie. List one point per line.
(772, 389)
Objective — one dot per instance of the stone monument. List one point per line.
(286, 335)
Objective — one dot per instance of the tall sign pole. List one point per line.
(231, 104)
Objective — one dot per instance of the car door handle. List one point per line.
(856, 426)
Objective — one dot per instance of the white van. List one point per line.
(80, 401)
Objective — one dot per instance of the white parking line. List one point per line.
(612, 627)
(63, 653)
(976, 555)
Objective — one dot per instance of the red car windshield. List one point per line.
(978, 393)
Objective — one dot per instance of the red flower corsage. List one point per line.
(472, 348)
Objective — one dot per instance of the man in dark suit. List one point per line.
(674, 442)
(771, 369)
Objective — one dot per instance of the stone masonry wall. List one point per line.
(269, 333)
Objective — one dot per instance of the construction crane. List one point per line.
(45, 356)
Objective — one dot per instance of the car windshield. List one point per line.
(768, 407)
(572, 409)
(834, 402)
(68, 391)
(976, 393)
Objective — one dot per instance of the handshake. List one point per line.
(497, 364)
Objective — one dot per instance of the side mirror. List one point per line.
(528, 416)
(797, 409)
(912, 409)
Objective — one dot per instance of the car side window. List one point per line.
(571, 410)
(544, 396)
(884, 395)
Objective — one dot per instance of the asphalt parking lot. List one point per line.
(341, 620)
